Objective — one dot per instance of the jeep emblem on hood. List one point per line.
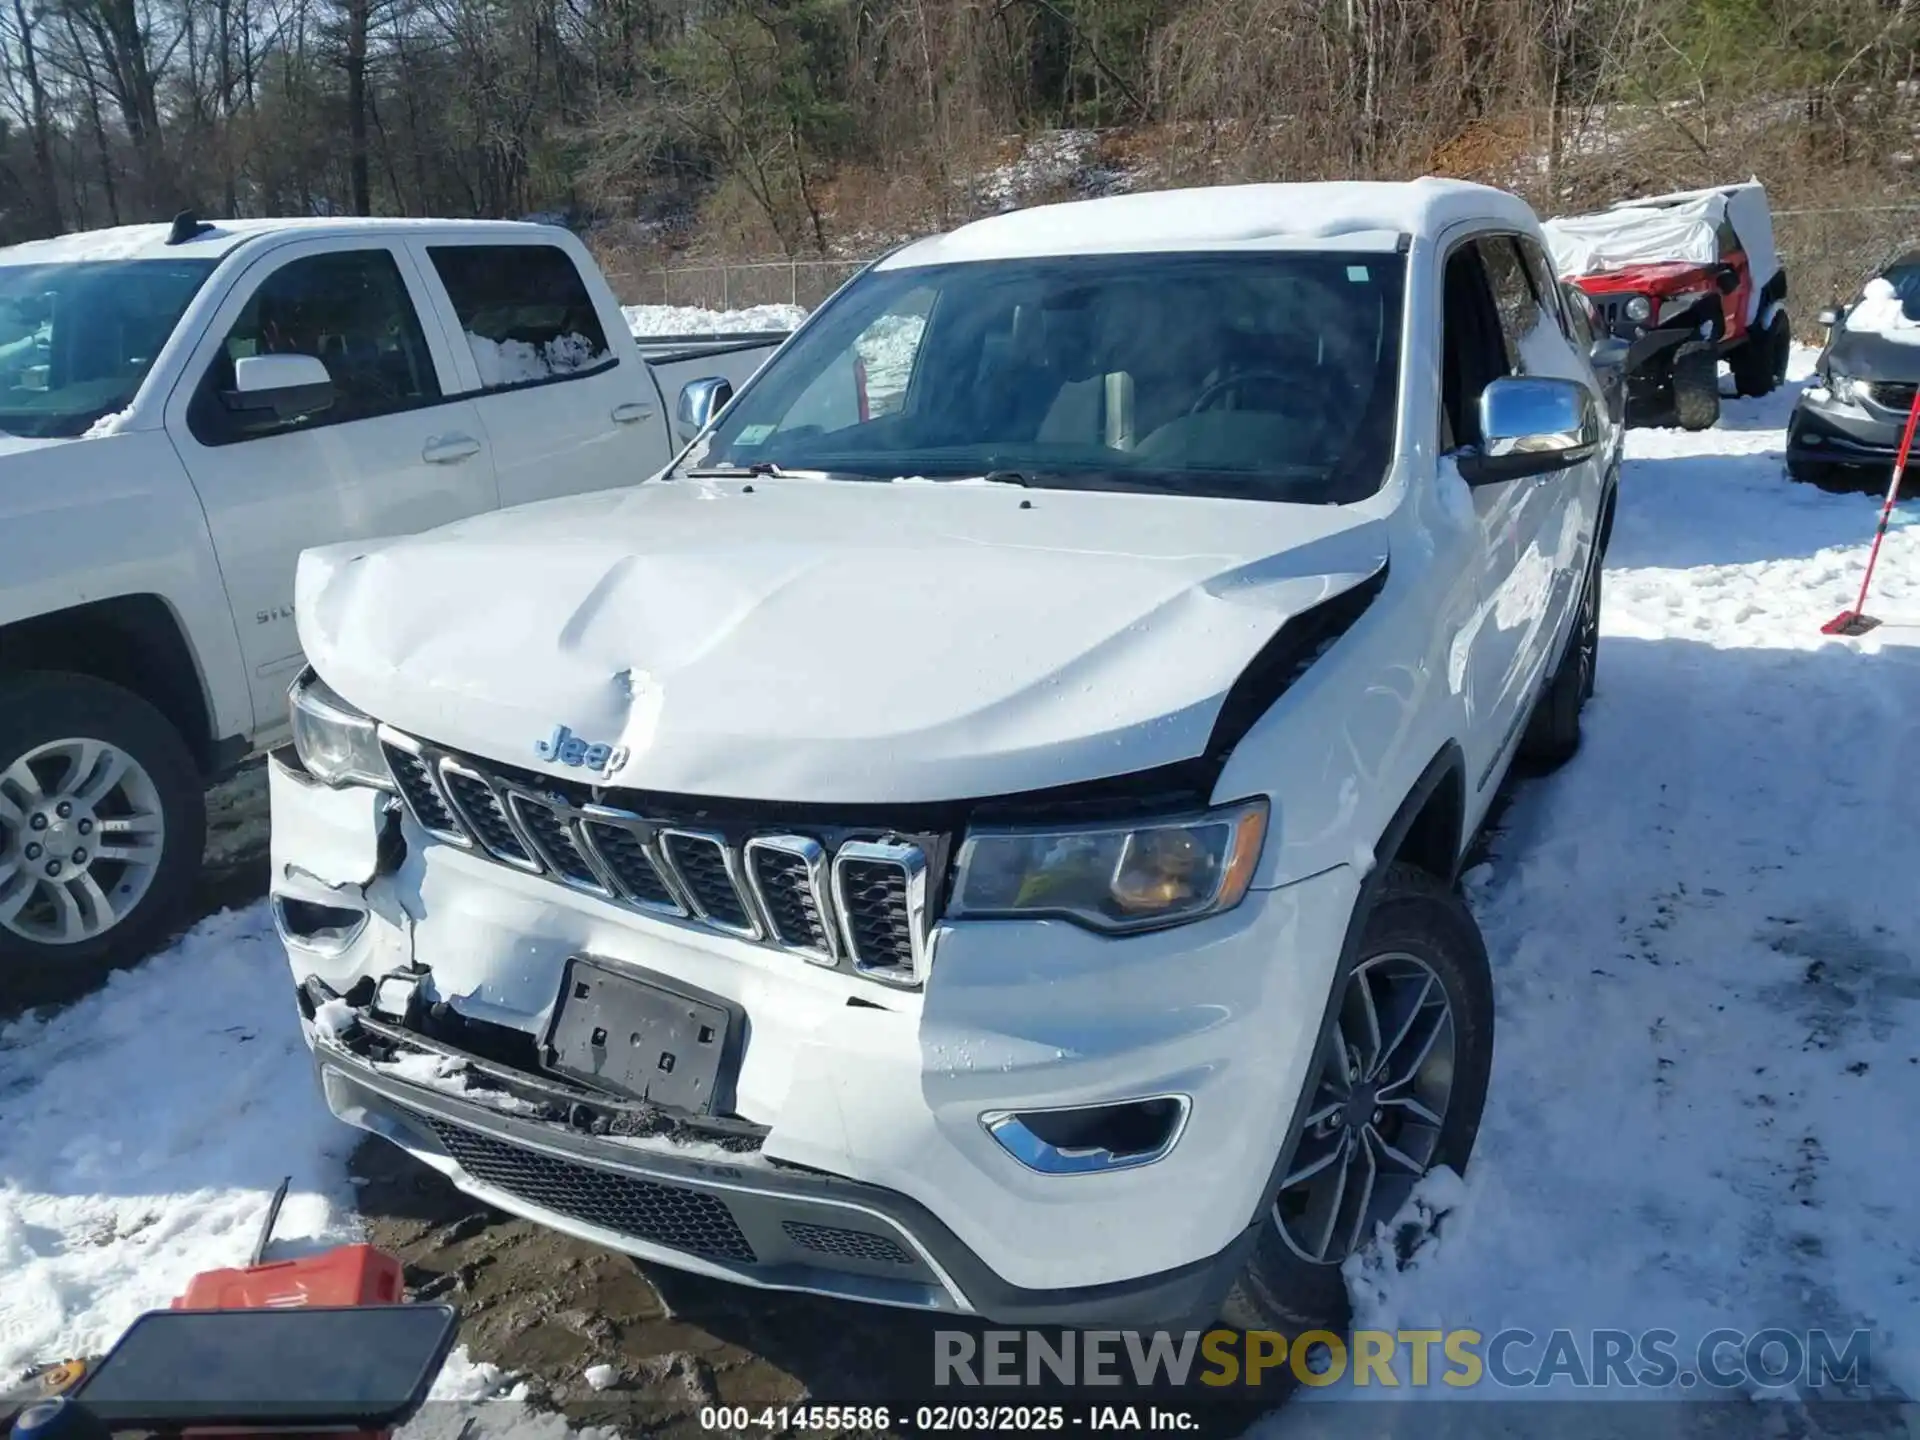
(566, 748)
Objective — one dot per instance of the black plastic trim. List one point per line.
(1300, 640)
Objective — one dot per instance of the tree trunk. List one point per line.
(47, 194)
(359, 17)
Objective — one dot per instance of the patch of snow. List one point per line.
(887, 350)
(601, 1377)
(515, 362)
(106, 425)
(1881, 312)
(334, 1018)
(146, 1128)
(648, 321)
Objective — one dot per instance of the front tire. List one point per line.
(102, 830)
(1397, 1090)
(1696, 386)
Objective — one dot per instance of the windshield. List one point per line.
(1269, 376)
(77, 340)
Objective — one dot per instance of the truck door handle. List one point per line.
(631, 411)
(449, 449)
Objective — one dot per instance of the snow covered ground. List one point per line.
(649, 321)
(1703, 934)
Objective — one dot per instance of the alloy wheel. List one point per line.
(81, 836)
(1379, 1105)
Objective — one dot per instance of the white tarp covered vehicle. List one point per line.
(1686, 280)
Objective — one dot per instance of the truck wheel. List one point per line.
(1398, 1089)
(1553, 733)
(1760, 364)
(1696, 387)
(102, 828)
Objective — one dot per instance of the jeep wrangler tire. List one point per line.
(1760, 365)
(102, 830)
(1377, 1113)
(1696, 386)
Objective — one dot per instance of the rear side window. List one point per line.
(525, 311)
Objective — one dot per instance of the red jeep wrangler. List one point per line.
(1685, 280)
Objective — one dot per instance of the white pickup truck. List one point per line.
(981, 830)
(183, 410)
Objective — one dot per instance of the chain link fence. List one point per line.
(742, 284)
(1827, 253)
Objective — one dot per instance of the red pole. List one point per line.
(1893, 495)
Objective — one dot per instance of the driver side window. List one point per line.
(350, 310)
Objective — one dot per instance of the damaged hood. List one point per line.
(808, 640)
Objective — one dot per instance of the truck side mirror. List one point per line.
(700, 401)
(279, 387)
(1829, 317)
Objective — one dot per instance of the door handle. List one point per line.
(631, 411)
(449, 449)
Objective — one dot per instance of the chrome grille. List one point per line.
(552, 832)
(704, 865)
(851, 903)
(880, 891)
(788, 875)
(413, 777)
(624, 853)
(480, 808)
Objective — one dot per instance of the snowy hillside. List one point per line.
(1703, 933)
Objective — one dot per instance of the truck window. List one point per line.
(349, 308)
(525, 312)
(1527, 324)
(77, 340)
(1473, 351)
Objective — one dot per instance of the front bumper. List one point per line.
(870, 1101)
(1842, 433)
(741, 1219)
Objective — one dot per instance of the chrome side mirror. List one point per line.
(1828, 318)
(700, 401)
(1532, 425)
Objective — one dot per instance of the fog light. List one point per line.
(1089, 1139)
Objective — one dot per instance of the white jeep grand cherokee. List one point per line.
(979, 831)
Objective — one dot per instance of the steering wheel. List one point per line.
(1289, 385)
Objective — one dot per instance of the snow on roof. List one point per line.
(1682, 197)
(149, 242)
(1370, 215)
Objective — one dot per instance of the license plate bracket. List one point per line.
(645, 1039)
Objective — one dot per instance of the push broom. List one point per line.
(1856, 621)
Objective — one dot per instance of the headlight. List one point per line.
(1638, 308)
(335, 742)
(1122, 877)
(1844, 387)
